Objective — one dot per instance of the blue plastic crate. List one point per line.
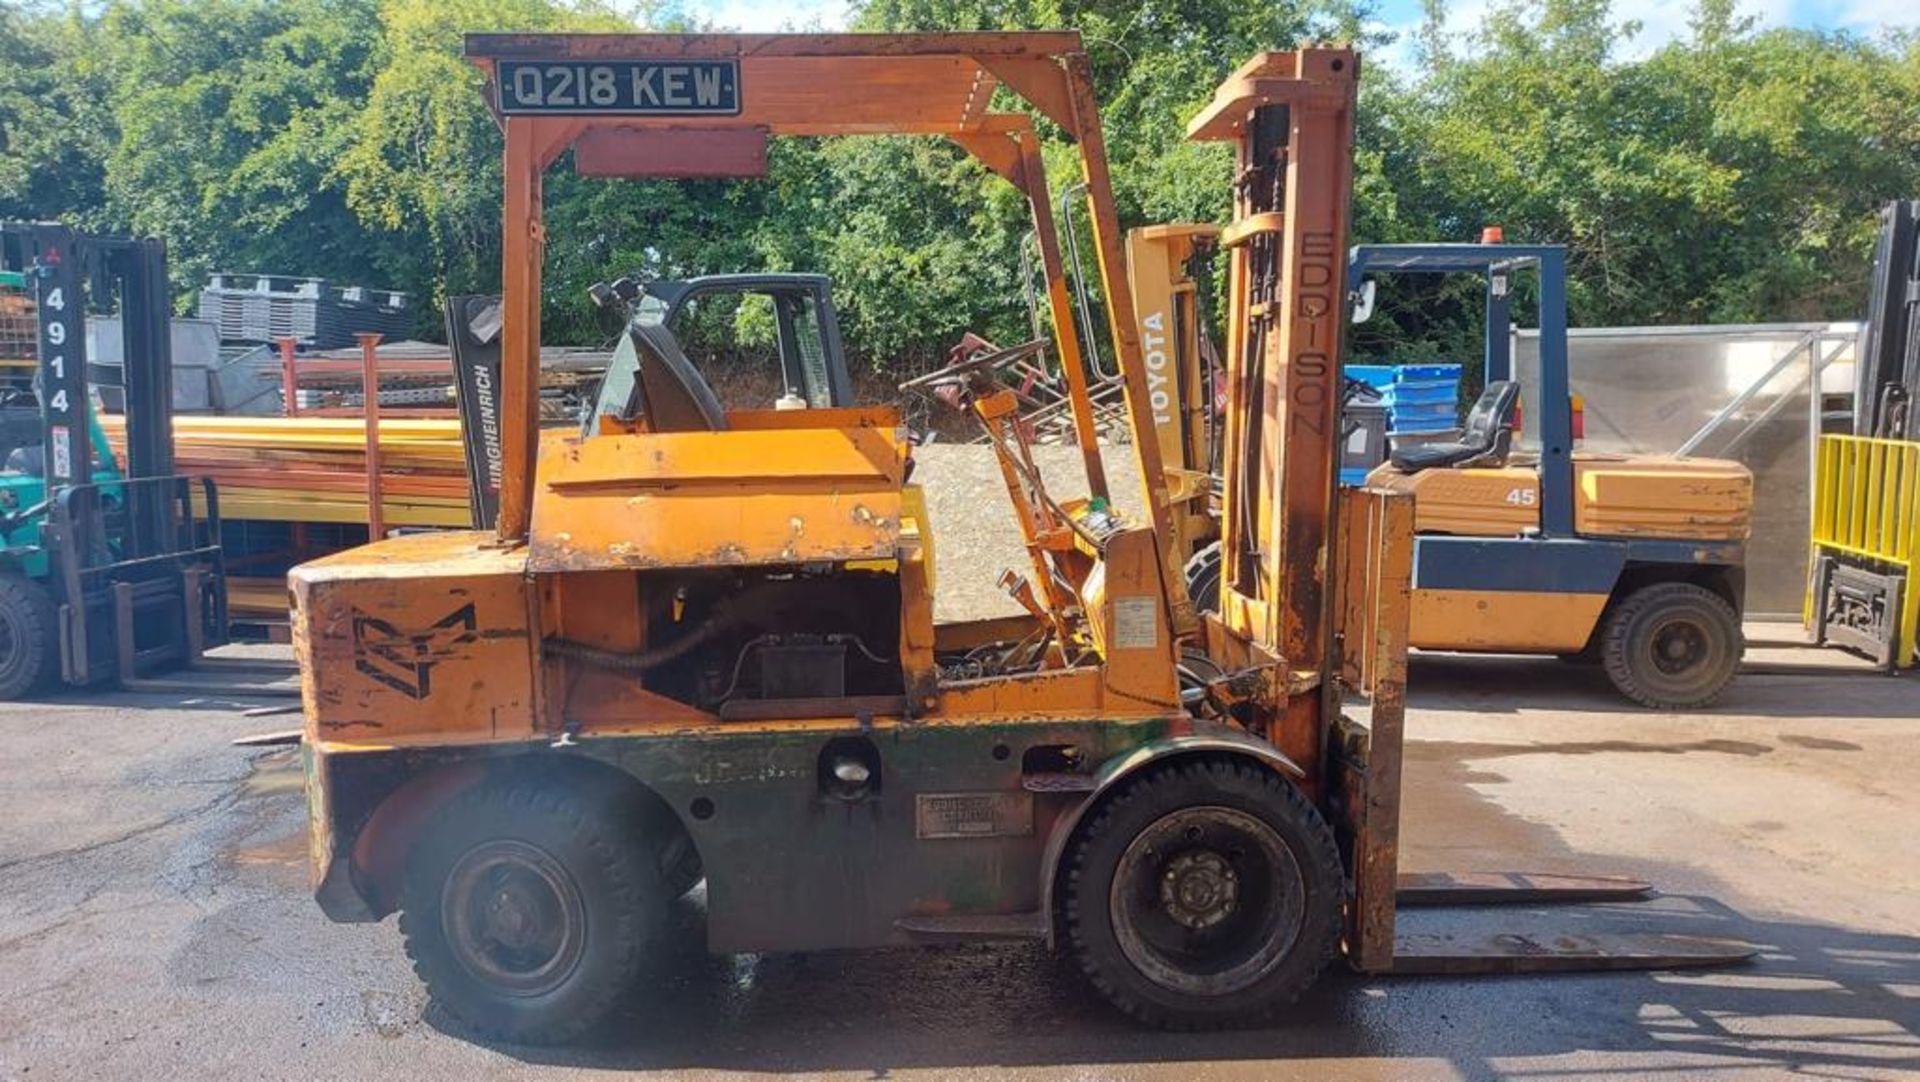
(1353, 476)
(1422, 424)
(1379, 376)
(1426, 393)
(1443, 411)
(1414, 373)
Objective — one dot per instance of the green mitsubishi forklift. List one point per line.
(108, 569)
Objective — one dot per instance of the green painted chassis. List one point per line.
(787, 866)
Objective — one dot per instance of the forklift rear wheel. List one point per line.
(529, 906)
(1672, 645)
(26, 636)
(1204, 894)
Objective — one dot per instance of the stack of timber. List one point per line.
(314, 469)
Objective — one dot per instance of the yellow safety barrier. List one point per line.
(1866, 504)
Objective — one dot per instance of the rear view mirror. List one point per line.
(1363, 301)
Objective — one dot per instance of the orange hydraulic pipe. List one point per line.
(520, 249)
(370, 375)
(289, 380)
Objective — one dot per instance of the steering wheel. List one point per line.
(985, 361)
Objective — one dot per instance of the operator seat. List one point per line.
(1487, 437)
(28, 461)
(674, 396)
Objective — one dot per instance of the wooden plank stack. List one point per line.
(313, 469)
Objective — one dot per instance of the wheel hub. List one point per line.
(1678, 647)
(1199, 889)
(513, 917)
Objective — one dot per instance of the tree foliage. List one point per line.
(1729, 176)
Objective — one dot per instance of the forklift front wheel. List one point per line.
(1672, 645)
(27, 622)
(529, 906)
(1204, 894)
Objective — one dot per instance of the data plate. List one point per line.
(620, 87)
(973, 815)
(1136, 623)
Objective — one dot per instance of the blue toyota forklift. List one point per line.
(1634, 562)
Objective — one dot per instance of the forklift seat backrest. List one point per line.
(674, 396)
(28, 461)
(1488, 435)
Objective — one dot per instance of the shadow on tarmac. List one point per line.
(1506, 684)
(1818, 999)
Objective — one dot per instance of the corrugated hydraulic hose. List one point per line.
(723, 618)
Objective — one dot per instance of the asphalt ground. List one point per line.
(154, 920)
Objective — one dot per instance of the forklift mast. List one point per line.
(1168, 271)
(1888, 373)
(70, 275)
(1290, 118)
(1864, 589)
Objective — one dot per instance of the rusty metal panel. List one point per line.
(1436, 954)
(422, 636)
(1376, 583)
(791, 869)
(672, 153)
(1126, 612)
(844, 94)
(1022, 43)
(701, 499)
(1030, 696)
(1373, 592)
(1418, 889)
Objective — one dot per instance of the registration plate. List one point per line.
(620, 87)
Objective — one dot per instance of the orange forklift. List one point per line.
(699, 645)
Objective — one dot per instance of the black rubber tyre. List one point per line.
(1672, 645)
(680, 864)
(1204, 894)
(28, 651)
(530, 905)
(1203, 578)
